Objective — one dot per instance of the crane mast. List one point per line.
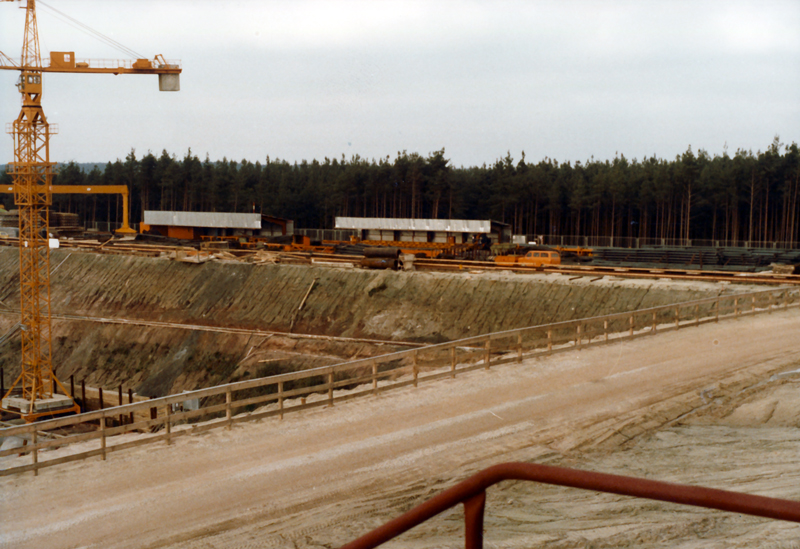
(32, 172)
(34, 393)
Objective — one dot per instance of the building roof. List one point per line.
(217, 220)
(397, 224)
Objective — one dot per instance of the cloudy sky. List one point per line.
(305, 79)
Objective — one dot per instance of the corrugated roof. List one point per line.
(217, 220)
(394, 224)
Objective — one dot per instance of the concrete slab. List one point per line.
(56, 402)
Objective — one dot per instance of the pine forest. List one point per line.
(730, 198)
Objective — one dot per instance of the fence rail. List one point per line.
(278, 395)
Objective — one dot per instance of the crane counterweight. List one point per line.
(169, 82)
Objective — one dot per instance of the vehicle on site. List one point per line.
(529, 256)
(536, 258)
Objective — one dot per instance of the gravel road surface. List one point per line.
(714, 405)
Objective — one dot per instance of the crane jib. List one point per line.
(65, 62)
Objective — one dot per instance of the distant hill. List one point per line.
(88, 166)
(84, 166)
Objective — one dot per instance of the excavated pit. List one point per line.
(93, 293)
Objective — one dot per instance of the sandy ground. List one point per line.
(716, 405)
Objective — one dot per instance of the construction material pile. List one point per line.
(9, 218)
(66, 224)
(9, 223)
(704, 258)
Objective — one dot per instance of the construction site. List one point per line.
(223, 380)
(383, 389)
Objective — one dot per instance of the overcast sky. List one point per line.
(306, 79)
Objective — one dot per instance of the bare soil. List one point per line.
(715, 405)
(421, 307)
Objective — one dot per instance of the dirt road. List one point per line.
(698, 406)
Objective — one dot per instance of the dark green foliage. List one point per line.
(747, 197)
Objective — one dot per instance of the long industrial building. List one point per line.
(195, 225)
(424, 230)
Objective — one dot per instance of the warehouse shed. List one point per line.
(457, 231)
(195, 225)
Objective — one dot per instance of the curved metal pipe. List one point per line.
(471, 492)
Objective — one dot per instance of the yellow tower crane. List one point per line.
(33, 394)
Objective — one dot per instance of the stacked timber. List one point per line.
(9, 223)
(65, 224)
(10, 219)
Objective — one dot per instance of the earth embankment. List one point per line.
(393, 307)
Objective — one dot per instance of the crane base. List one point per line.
(56, 404)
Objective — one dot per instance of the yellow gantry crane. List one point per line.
(33, 394)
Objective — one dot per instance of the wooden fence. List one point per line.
(275, 396)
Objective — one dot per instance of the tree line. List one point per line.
(744, 197)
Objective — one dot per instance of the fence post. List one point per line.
(130, 401)
(578, 341)
(280, 398)
(228, 414)
(168, 424)
(453, 361)
(487, 358)
(519, 347)
(654, 322)
(736, 307)
(103, 436)
(549, 340)
(605, 330)
(630, 321)
(330, 389)
(414, 368)
(753, 308)
(35, 453)
(121, 416)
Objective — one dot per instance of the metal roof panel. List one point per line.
(218, 220)
(401, 224)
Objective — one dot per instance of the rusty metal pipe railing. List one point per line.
(472, 493)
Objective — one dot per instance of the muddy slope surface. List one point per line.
(383, 305)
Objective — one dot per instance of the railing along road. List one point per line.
(472, 493)
(278, 395)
